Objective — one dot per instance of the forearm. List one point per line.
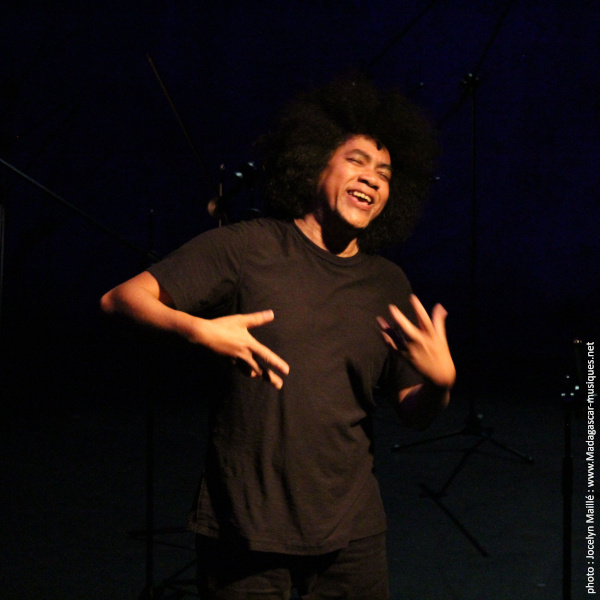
(420, 405)
(144, 301)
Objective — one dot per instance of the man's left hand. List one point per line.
(424, 345)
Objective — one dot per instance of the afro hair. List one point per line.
(312, 127)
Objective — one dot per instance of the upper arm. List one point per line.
(126, 292)
(151, 284)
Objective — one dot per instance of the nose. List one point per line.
(369, 179)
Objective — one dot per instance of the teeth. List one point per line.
(361, 196)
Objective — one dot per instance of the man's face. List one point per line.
(355, 184)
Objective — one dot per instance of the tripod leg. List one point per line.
(523, 457)
(459, 467)
(397, 447)
(435, 497)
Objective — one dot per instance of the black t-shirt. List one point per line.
(291, 471)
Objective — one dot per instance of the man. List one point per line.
(288, 495)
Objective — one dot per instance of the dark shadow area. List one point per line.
(82, 113)
(74, 459)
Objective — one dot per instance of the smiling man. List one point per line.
(289, 497)
(353, 190)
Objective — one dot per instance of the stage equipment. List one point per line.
(147, 257)
(188, 137)
(245, 178)
(177, 585)
(473, 426)
(572, 401)
(396, 39)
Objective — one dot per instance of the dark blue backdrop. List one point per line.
(82, 112)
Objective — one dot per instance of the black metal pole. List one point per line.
(567, 490)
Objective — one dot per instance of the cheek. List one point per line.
(384, 201)
(380, 209)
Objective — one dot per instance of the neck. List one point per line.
(335, 239)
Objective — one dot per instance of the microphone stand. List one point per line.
(571, 401)
(474, 421)
(150, 590)
(149, 257)
(3, 199)
(180, 587)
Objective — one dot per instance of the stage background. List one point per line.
(83, 114)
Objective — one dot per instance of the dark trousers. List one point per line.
(356, 572)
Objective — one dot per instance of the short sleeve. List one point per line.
(202, 276)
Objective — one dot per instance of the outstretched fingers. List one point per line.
(261, 359)
(256, 319)
(425, 325)
(408, 329)
(425, 344)
(392, 337)
(438, 318)
(271, 360)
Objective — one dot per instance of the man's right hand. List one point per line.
(145, 301)
(230, 336)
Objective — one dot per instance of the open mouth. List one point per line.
(361, 196)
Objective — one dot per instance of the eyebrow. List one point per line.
(368, 157)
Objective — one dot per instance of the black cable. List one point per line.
(76, 210)
(474, 74)
(397, 38)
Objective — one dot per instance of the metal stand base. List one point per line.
(473, 427)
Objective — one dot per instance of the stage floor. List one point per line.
(74, 488)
